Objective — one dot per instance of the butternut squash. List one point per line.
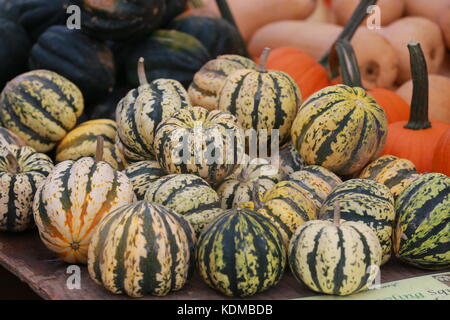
(378, 61)
(444, 23)
(391, 10)
(250, 15)
(439, 95)
(419, 29)
(426, 8)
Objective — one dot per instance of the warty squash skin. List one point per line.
(7, 138)
(120, 20)
(340, 128)
(86, 62)
(18, 184)
(238, 187)
(40, 107)
(140, 112)
(335, 258)
(188, 195)
(287, 206)
(142, 174)
(317, 181)
(208, 82)
(262, 99)
(195, 141)
(240, 253)
(82, 142)
(395, 173)
(142, 248)
(422, 233)
(368, 202)
(71, 202)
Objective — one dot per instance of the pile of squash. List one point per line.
(107, 135)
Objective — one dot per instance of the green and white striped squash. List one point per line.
(317, 181)
(41, 107)
(208, 81)
(7, 138)
(238, 187)
(140, 112)
(335, 258)
(142, 174)
(195, 141)
(262, 100)
(340, 128)
(395, 173)
(142, 248)
(188, 195)
(288, 207)
(82, 142)
(22, 170)
(71, 202)
(365, 201)
(290, 159)
(240, 253)
(422, 235)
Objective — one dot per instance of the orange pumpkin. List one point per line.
(441, 159)
(343, 56)
(416, 139)
(309, 74)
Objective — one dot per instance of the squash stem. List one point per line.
(13, 164)
(342, 55)
(352, 25)
(418, 119)
(337, 214)
(226, 14)
(141, 72)
(99, 149)
(263, 60)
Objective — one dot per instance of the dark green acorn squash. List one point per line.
(14, 51)
(84, 61)
(120, 19)
(173, 9)
(217, 35)
(106, 107)
(168, 54)
(35, 16)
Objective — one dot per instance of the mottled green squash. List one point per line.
(241, 253)
(422, 235)
(365, 201)
(7, 138)
(142, 248)
(340, 128)
(41, 107)
(22, 170)
(290, 159)
(142, 174)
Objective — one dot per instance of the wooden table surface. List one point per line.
(26, 257)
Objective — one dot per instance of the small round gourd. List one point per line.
(142, 248)
(317, 181)
(208, 82)
(286, 205)
(207, 144)
(142, 174)
(22, 170)
(238, 187)
(365, 201)
(140, 112)
(188, 195)
(40, 107)
(340, 128)
(393, 172)
(333, 257)
(262, 99)
(240, 253)
(73, 199)
(82, 142)
(422, 232)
